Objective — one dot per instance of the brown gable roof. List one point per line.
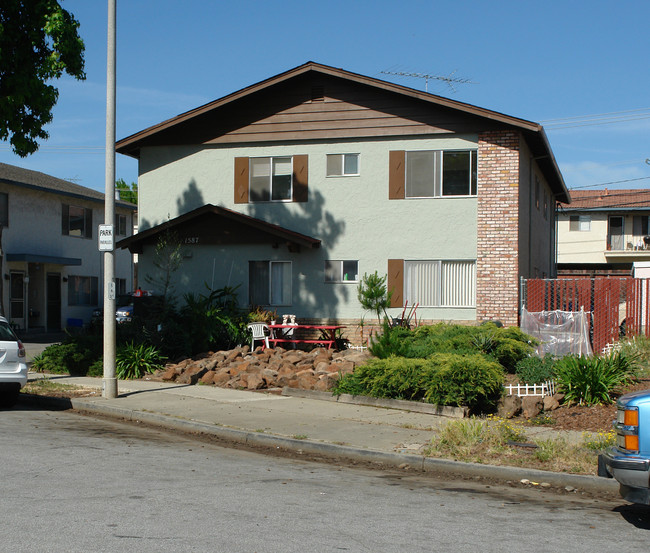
(211, 224)
(621, 200)
(389, 110)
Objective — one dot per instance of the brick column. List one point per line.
(497, 261)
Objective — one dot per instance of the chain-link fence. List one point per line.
(616, 306)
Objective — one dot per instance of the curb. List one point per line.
(414, 406)
(592, 484)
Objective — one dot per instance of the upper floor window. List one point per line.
(440, 173)
(342, 165)
(4, 209)
(342, 271)
(581, 223)
(77, 221)
(120, 224)
(270, 179)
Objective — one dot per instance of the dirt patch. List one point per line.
(597, 418)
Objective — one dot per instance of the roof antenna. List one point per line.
(450, 80)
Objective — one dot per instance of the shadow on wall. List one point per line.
(190, 199)
(309, 292)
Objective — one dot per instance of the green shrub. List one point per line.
(535, 370)
(470, 380)
(591, 380)
(445, 379)
(73, 356)
(506, 345)
(136, 360)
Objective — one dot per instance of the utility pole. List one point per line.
(109, 385)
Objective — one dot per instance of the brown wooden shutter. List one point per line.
(241, 180)
(395, 282)
(396, 175)
(300, 178)
(65, 219)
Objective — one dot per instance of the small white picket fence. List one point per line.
(522, 390)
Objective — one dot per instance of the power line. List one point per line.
(607, 183)
(577, 117)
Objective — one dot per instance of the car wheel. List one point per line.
(8, 398)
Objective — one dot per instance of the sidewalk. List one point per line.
(393, 438)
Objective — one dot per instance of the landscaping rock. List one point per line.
(550, 403)
(509, 407)
(531, 406)
(268, 368)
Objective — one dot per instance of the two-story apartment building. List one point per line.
(51, 269)
(603, 232)
(294, 187)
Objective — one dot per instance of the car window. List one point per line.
(6, 334)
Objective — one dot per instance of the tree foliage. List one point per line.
(39, 41)
(373, 294)
(127, 193)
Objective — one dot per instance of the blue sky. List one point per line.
(548, 62)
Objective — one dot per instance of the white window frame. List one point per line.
(439, 294)
(339, 271)
(582, 223)
(270, 160)
(270, 283)
(437, 180)
(342, 173)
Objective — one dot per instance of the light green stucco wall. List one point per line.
(351, 215)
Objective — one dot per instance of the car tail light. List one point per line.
(627, 428)
(21, 349)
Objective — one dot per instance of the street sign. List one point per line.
(106, 238)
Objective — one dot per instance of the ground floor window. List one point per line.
(269, 282)
(342, 271)
(440, 283)
(82, 290)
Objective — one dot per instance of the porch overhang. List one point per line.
(215, 225)
(38, 258)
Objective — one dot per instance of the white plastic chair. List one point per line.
(261, 332)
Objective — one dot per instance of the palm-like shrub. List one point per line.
(136, 360)
(591, 380)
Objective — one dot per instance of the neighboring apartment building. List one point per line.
(51, 268)
(294, 187)
(603, 232)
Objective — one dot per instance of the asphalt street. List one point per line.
(77, 483)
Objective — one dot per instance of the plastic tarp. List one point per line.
(560, 333)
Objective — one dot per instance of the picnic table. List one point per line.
(284, 336)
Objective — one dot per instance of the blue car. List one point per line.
(124, 314)
(629, 461)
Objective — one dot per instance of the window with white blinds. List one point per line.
(440, 283)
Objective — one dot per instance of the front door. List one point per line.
(53, 301)
(616, 233)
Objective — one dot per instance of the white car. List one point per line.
(13, 368)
